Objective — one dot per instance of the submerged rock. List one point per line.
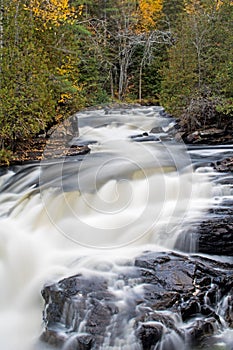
(199, 330)
(145, 137)
(162, 299)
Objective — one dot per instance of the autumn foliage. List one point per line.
(150, 11)
(54, 12)
(57, 56)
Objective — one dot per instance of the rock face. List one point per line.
(215, 236)
(167, 300)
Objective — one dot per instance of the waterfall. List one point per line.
(135, 191)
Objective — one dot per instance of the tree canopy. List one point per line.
(58, 56)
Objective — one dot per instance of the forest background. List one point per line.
(60, 56)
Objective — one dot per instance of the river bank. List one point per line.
(31, 150)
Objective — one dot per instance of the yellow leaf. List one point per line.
(149, 13)
(51, 11)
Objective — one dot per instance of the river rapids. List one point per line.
(135, 191)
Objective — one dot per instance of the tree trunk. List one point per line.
(111, 84)
(140, 84)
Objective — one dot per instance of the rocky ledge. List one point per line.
(210, 136)
(162, 301)
(40, 148)
(215, 234)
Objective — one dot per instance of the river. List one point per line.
(135, 191)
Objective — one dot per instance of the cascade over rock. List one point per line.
(100, 225)
(159, 299)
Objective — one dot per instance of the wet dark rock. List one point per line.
(99, 317)
(228, 310)
(144, 138)
(149, 334)
(158, 298)
(139, 135)
(224, 165)
(190, 308)
(215, 235)
(77, 142)
(164, 290)
(164, 114)
(174, 274)
(208, 311)
(67, 305)
(157, 130)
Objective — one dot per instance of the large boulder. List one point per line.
(215, 236)
(162, 299)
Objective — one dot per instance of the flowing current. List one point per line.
(134, 191)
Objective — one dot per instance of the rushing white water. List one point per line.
(121, 199)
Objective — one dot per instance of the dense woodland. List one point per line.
(58, 56)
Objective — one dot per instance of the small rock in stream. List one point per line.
(224, 165)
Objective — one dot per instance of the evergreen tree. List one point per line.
(38, 68)
(25, 91)
(193, 83)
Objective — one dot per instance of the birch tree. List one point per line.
(123, 28)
